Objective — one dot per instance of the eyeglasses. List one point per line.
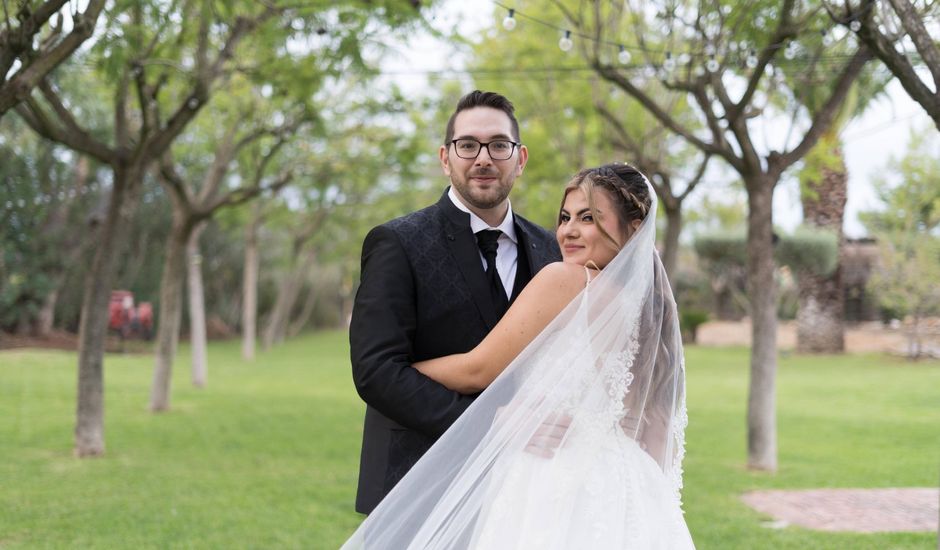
(498, 149)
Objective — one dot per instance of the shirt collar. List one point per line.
(477, 224)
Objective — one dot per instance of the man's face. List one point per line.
(482, 183)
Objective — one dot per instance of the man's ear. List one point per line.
(523, 159)
(443, 154)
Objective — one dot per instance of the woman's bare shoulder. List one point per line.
(561, 276)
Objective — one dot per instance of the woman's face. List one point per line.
(578, 235)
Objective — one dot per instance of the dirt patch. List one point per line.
(60, 339)
(860, 338)
(855, 510)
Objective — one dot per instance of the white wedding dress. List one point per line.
(598, 490)
(609, 494)
(611, 363)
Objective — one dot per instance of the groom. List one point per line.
(434, 283)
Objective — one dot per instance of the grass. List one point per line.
(267, 455)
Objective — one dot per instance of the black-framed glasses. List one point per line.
(498, 149)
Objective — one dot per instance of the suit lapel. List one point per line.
(536, 253)
(463, 247)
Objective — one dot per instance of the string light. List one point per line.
(751, 61)
(565, 42)
(669, 64)
(509, 23)
(624, 56)
(741, 52)
(712, 64)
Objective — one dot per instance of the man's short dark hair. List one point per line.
(476, 98)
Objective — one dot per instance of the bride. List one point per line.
(577, 441)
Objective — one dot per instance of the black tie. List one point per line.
(486, 240)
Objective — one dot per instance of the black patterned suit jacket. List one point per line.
(423, 294)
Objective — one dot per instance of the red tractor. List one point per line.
(129, 321)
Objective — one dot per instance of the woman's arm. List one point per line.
(538, 303)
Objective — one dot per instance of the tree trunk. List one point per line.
(45, 319)
(301, 321)
(250, 286)
(197, 310)
(168, 329)
(820, 319)
(761, 405)
(820, 323)
(286, 296)
(914, 343)
(93, 326)
(671, 242)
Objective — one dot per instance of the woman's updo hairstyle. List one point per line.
(626, 187)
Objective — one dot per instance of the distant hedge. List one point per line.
(807, 250)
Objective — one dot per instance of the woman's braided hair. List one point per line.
(626, 187)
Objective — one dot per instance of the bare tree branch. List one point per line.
(612, 75)
(695, 179)
(823, 118)
(72, 135)
(174, 182)
(33, 71)
(926, 46)
(200, 93)
(883, 48)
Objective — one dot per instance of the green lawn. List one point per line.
(267, 455)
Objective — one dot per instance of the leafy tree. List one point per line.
(372, 145)
(908, 188)
(36, 39)
(905, 281)
(46, 197)
(730, 87)
(240, 125)
(162, 63)
(570, 119)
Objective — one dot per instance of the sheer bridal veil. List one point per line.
(611, 362)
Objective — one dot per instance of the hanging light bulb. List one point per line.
(565, 43)
(624, 56)
(712, 64)
(669, 64)
(790, 51)
(855, 25)
(751, 60)
(510, 22)
(826, 38)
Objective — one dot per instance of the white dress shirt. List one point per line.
(506, 255)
